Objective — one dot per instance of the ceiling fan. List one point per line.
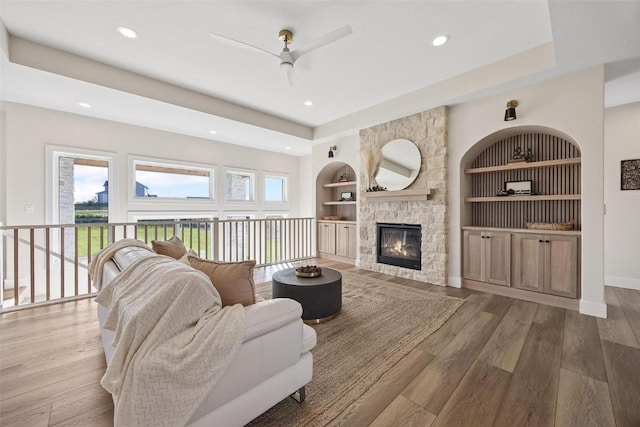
(288, 58)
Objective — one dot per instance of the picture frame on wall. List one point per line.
(518, 188)
(346, 196)
(630, 174)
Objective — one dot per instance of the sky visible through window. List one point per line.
(89, 180)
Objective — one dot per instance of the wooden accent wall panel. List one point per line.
(555, 180)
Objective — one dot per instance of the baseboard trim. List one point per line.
(591, 308)
(337, 258)
(622, 282)
(553, 300)
(455, 282)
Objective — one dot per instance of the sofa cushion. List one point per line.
(172, 247)
(232, 280)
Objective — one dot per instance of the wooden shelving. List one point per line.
(525, 165)
(338, 203)
(523, 198)
(339, 184)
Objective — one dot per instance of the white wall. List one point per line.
(573, 105)
(622, 232)
(28, 130)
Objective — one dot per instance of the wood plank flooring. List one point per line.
(496, 362)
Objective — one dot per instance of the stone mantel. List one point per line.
(415, 195)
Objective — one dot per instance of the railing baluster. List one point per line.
(32, 256)
(62, 262)
(75, 261)
(47, 253)
(16, 264)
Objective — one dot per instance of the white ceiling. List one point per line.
(388, 56)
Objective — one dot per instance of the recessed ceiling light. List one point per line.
(84, 104)
(287, 148)
(128, 32)
(212, 132)
(440, 40)
(308, 103)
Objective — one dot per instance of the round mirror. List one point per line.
(400, 164)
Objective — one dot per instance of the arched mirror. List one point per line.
(399, 166)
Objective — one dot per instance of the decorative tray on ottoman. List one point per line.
(308, 271)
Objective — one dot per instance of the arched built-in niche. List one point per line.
(554, 172)
(336, 193)
(332, 181)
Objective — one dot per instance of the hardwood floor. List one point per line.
(496, 361)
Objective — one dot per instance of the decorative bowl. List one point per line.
(308, 271)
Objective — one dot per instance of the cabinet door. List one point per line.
(528, 261)
(561, 275)
(497, 258)
(327, 237)
(472, 255)
(346, 240)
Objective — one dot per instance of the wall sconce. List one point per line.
(331, 150)
(510, 112)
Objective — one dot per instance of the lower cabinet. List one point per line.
(346, 240)
(337, 240)
(327, 237)
(545, 263)
(487, 257)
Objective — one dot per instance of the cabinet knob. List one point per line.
(541, 241)
(547, 241)
(488, 237)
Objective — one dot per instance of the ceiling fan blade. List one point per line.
(291, 76)
(234, 42)
(322, 41)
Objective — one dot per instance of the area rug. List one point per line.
(379, 324)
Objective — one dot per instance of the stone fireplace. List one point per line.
(399, 244)
(428, 130)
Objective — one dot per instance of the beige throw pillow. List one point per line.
(232, 280)
(172, 247)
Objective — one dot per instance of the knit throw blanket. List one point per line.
(103, 255)
(173, 341)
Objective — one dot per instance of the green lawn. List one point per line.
(270, 251)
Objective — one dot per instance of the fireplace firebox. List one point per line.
(399, 245)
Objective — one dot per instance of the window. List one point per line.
(240, 186)
(156, 180)
(276, 188)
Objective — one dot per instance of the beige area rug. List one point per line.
(380, 323)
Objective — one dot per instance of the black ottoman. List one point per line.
(320, 297)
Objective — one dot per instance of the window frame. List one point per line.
(212, 170)
(252, 185)
(285, 188)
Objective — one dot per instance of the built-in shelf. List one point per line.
(523, 198)
(339, 184)
(348, 202)
(396, 196)
(525, 165)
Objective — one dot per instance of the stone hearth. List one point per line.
(428, 130)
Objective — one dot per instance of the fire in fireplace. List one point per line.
(399, 245)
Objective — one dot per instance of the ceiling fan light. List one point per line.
(286, 65)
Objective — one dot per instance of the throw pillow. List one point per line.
(232, 280)
(172, 247)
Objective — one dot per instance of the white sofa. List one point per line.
(274, 360)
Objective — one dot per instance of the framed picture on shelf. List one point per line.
(630, 174)
(346, 196)
(517, 188)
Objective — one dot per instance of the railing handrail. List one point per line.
(48, 262)
(154, 222)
